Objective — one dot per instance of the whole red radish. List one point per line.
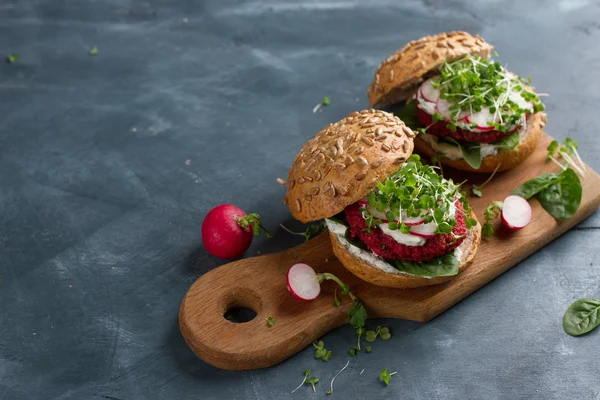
(227, 231)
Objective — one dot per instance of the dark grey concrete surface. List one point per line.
(109, 163)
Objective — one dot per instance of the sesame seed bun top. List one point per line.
(398, 76)
(345, 161)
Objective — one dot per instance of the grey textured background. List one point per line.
(100, 214)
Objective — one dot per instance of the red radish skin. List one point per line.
(302, 282)
(516, 213)
(222, 235)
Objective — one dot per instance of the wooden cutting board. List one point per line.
(259, 283)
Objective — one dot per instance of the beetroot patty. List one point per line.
(385, 246)
(439, 129)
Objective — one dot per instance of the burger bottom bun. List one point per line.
(507, 159)
(375, 275)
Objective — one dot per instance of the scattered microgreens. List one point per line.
(385, 377)
(325, 102)
(253, 220)
(382, 332)
(310, 232)
(94, 51)
(12, 58)
(491, 212)
(307, 372)
(368, 349)
(477, 189)
(353, 351)
(336, 301)
(472, 82)
(336, 375)
(416, 190)
(312, 381)
(270, 321)
(321, 353)
(566, 150)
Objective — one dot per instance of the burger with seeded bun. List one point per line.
(392, 220)
(471, 113)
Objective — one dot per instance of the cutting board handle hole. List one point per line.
(242, 305)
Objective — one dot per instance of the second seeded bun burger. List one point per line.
(471, 112)
(392, 220)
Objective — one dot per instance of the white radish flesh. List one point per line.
(413, 221)
(302, 282)
(482, 118)
(443, 108)
(428, 92)
(520, 101)
(426, 231)
(516, 212)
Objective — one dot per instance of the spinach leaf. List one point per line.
(562, 198)
(533, 186)
(471, 152)
(582, 316)
(340, 218)
(356, 242)
(410, 116)
(446, 265)
(508, 143)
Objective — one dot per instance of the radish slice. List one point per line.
(481, 118)
(516, 212)
(413, 221)
(426, 231)
(520, 101)
(428, 92)
(302, 282)
(443, 107)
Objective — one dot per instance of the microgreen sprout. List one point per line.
(416, 190)
(566, 150)
(336, 301)
(94, 51)
(382, 332)
(312, 381)
(253, 220)
(368, 349)
(336, 375)
(471, 83)
(310, 232)
(385, 377)
(491, 212)
(12, 58)
(270, 321)
(324, 102)
(307, 372)
(477, 189)
(321, 353)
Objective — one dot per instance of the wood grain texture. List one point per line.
(259, 283)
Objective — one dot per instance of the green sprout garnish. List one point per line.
(307, 372)
(270, 321)
(416, 190)
(566, 150)
(382, 332)
(471, 83)
(325, 101)
(310, 232)
(336, 301)
(94, 51)
(312, 381)
(12, 58)
(491, 212)
(385, 377)
(321, 353)
(477, 189)
(368, 349)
